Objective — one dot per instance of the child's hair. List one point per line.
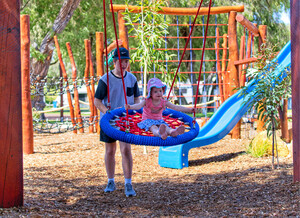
(157, 83)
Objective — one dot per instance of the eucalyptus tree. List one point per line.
(269, 90)
(73, 21)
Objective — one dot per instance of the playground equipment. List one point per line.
(221, 123)
(11, 174)
(149, 139)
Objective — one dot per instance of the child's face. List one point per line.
(157, 93)
(124, 63)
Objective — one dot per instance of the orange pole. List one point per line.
(182, 11)
(246, 23)
(262, 34)
(225, 74)
(233, 56)
(242, 76)
(220, 80)
(87, 83)
(27, 125)
(99, 54)
(11, 154)
(76, 95)
(123, 34)
(249, 46)
(100, 66)
(63, 69)
(92, 77)
(113, 45)
(245, 61)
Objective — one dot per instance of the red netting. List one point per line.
(137, 117)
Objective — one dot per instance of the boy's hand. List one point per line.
(127, 106)
(192, 110)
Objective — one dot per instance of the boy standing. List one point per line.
(117, 100)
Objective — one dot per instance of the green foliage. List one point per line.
(269, 91)
(259, 150)
(37, 54)
(50, 99)
(149, 35)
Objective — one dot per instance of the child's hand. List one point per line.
(127, 106)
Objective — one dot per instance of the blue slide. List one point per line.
(220, 124)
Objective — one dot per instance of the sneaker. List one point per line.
(110, 187)
(129, 192)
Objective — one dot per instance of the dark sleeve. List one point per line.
(136, 90)
(101, 91)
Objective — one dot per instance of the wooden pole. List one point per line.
(100, 66)
(262, 34)
(11, 154)
(233, 71)
(87, 83)
(219, 70)
(295, 40)
(27, 125)
(123, 34)
(92, 77)
(76, 95)
(242, 77)
(284, 121)
(99, 54)
(224, 73)
(182, 11)
(67, 84)
(247, 24)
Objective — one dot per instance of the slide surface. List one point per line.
(220, 124)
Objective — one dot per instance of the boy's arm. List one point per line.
(98, 103)
(179, 108)
(136, 100)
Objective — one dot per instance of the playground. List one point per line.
(66, 176)
(228, 108)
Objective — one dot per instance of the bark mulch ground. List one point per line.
(66, 177)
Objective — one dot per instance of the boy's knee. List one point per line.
(125, 150)
(110, 152)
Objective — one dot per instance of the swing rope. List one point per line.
(203, 49)
(105, 41)
(202, 58)
(187, 42)
(120, 62)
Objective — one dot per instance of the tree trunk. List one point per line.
(39, 68)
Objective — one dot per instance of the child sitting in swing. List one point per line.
(154, 105)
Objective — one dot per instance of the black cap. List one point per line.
(124, 53)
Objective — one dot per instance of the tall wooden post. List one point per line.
(11, 154)
(123, 34)
(219, 71)
(295, 40)
(76, 94)
(233, 70)
(99, 54)
(262, 29)
(27, 125)
(224, 73)
(65, 75)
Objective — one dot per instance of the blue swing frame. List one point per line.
(113, 132)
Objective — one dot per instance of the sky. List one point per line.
(285, 17)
